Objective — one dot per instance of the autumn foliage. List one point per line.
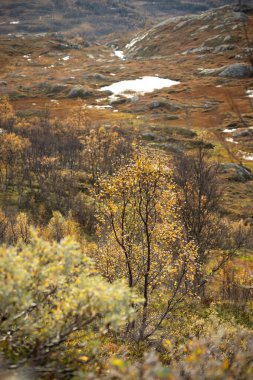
(117, 261)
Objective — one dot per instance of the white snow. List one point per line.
(135, 40)
(102, 107)
(119, 54)
(66, 58)
(14, 22)
(230, 130)
(140, 86)
(247, 156)
(249, 93)
(98, 107)
(231, 140)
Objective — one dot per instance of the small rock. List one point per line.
(214, 72)
(237, 70)
(214, 41)
(240, 16)
(171, 117)
(97, 76)
(149, 136)
(163, 103)
(171, 148)
(237, 172)
(222, 48)
(198, 50)
(59, 87)
(80, 92)
(118, 101)
(135, 99)
(243, 133)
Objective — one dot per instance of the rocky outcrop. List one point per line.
(224, 47)
(80, 92)
(237, 70)
(213, 72)
(58, 87)
(163, 103)
(237, 172)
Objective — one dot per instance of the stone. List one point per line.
(58, 87)
(118, 101)
(163, 103)
(240, 16)
(237, 172)
(207, 72)
(214, 41)
(243, 133)
(80, 92)
(222, 48)
(149, 136)
(96, 76)
(237, 70)
(198, 50)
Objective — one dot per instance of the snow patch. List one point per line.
(231, 140)
(229, 130)
(141, 86)
(135, 40)
(247, 156)
(119, 54)
(249, 93)
(99, 107)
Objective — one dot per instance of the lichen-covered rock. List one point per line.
(80, 92)
(214, 41)
(224, 47)
(237, 172)
(58, 87)
(207, 72)
(199, 50)
(163, 103)
(237, 70)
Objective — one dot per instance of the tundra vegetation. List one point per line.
(118, 261)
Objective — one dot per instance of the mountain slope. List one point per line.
(91, 18)
(215, 31)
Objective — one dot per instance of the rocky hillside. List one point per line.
(207, 53)
(217, 31)
(161, 7)
(91, 18)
